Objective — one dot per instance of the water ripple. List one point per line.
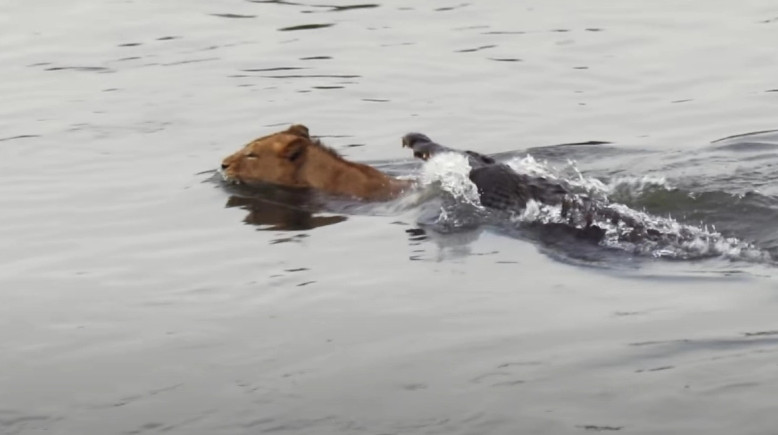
(305, 27)
(233, 16)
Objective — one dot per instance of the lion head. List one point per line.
(270, 159)
(292, 158)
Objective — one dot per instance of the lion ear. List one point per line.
(293, 150)
(299, 130)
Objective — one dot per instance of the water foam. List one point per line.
(676, 240)
(451, 172)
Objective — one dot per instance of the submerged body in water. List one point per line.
(554, 205)
(473, 190)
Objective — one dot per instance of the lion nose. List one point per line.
(225, 165)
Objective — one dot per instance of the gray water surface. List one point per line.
(138, 295)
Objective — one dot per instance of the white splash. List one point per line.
(528, 165)
(451, 171)
(574, 179)
(678, 241)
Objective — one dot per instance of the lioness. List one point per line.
(292, 158)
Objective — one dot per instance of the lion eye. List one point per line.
(251, 155)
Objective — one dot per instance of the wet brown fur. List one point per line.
(292, 158)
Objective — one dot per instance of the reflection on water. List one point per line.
(278, 217)
(279, 209)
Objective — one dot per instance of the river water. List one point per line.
(141, 295)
